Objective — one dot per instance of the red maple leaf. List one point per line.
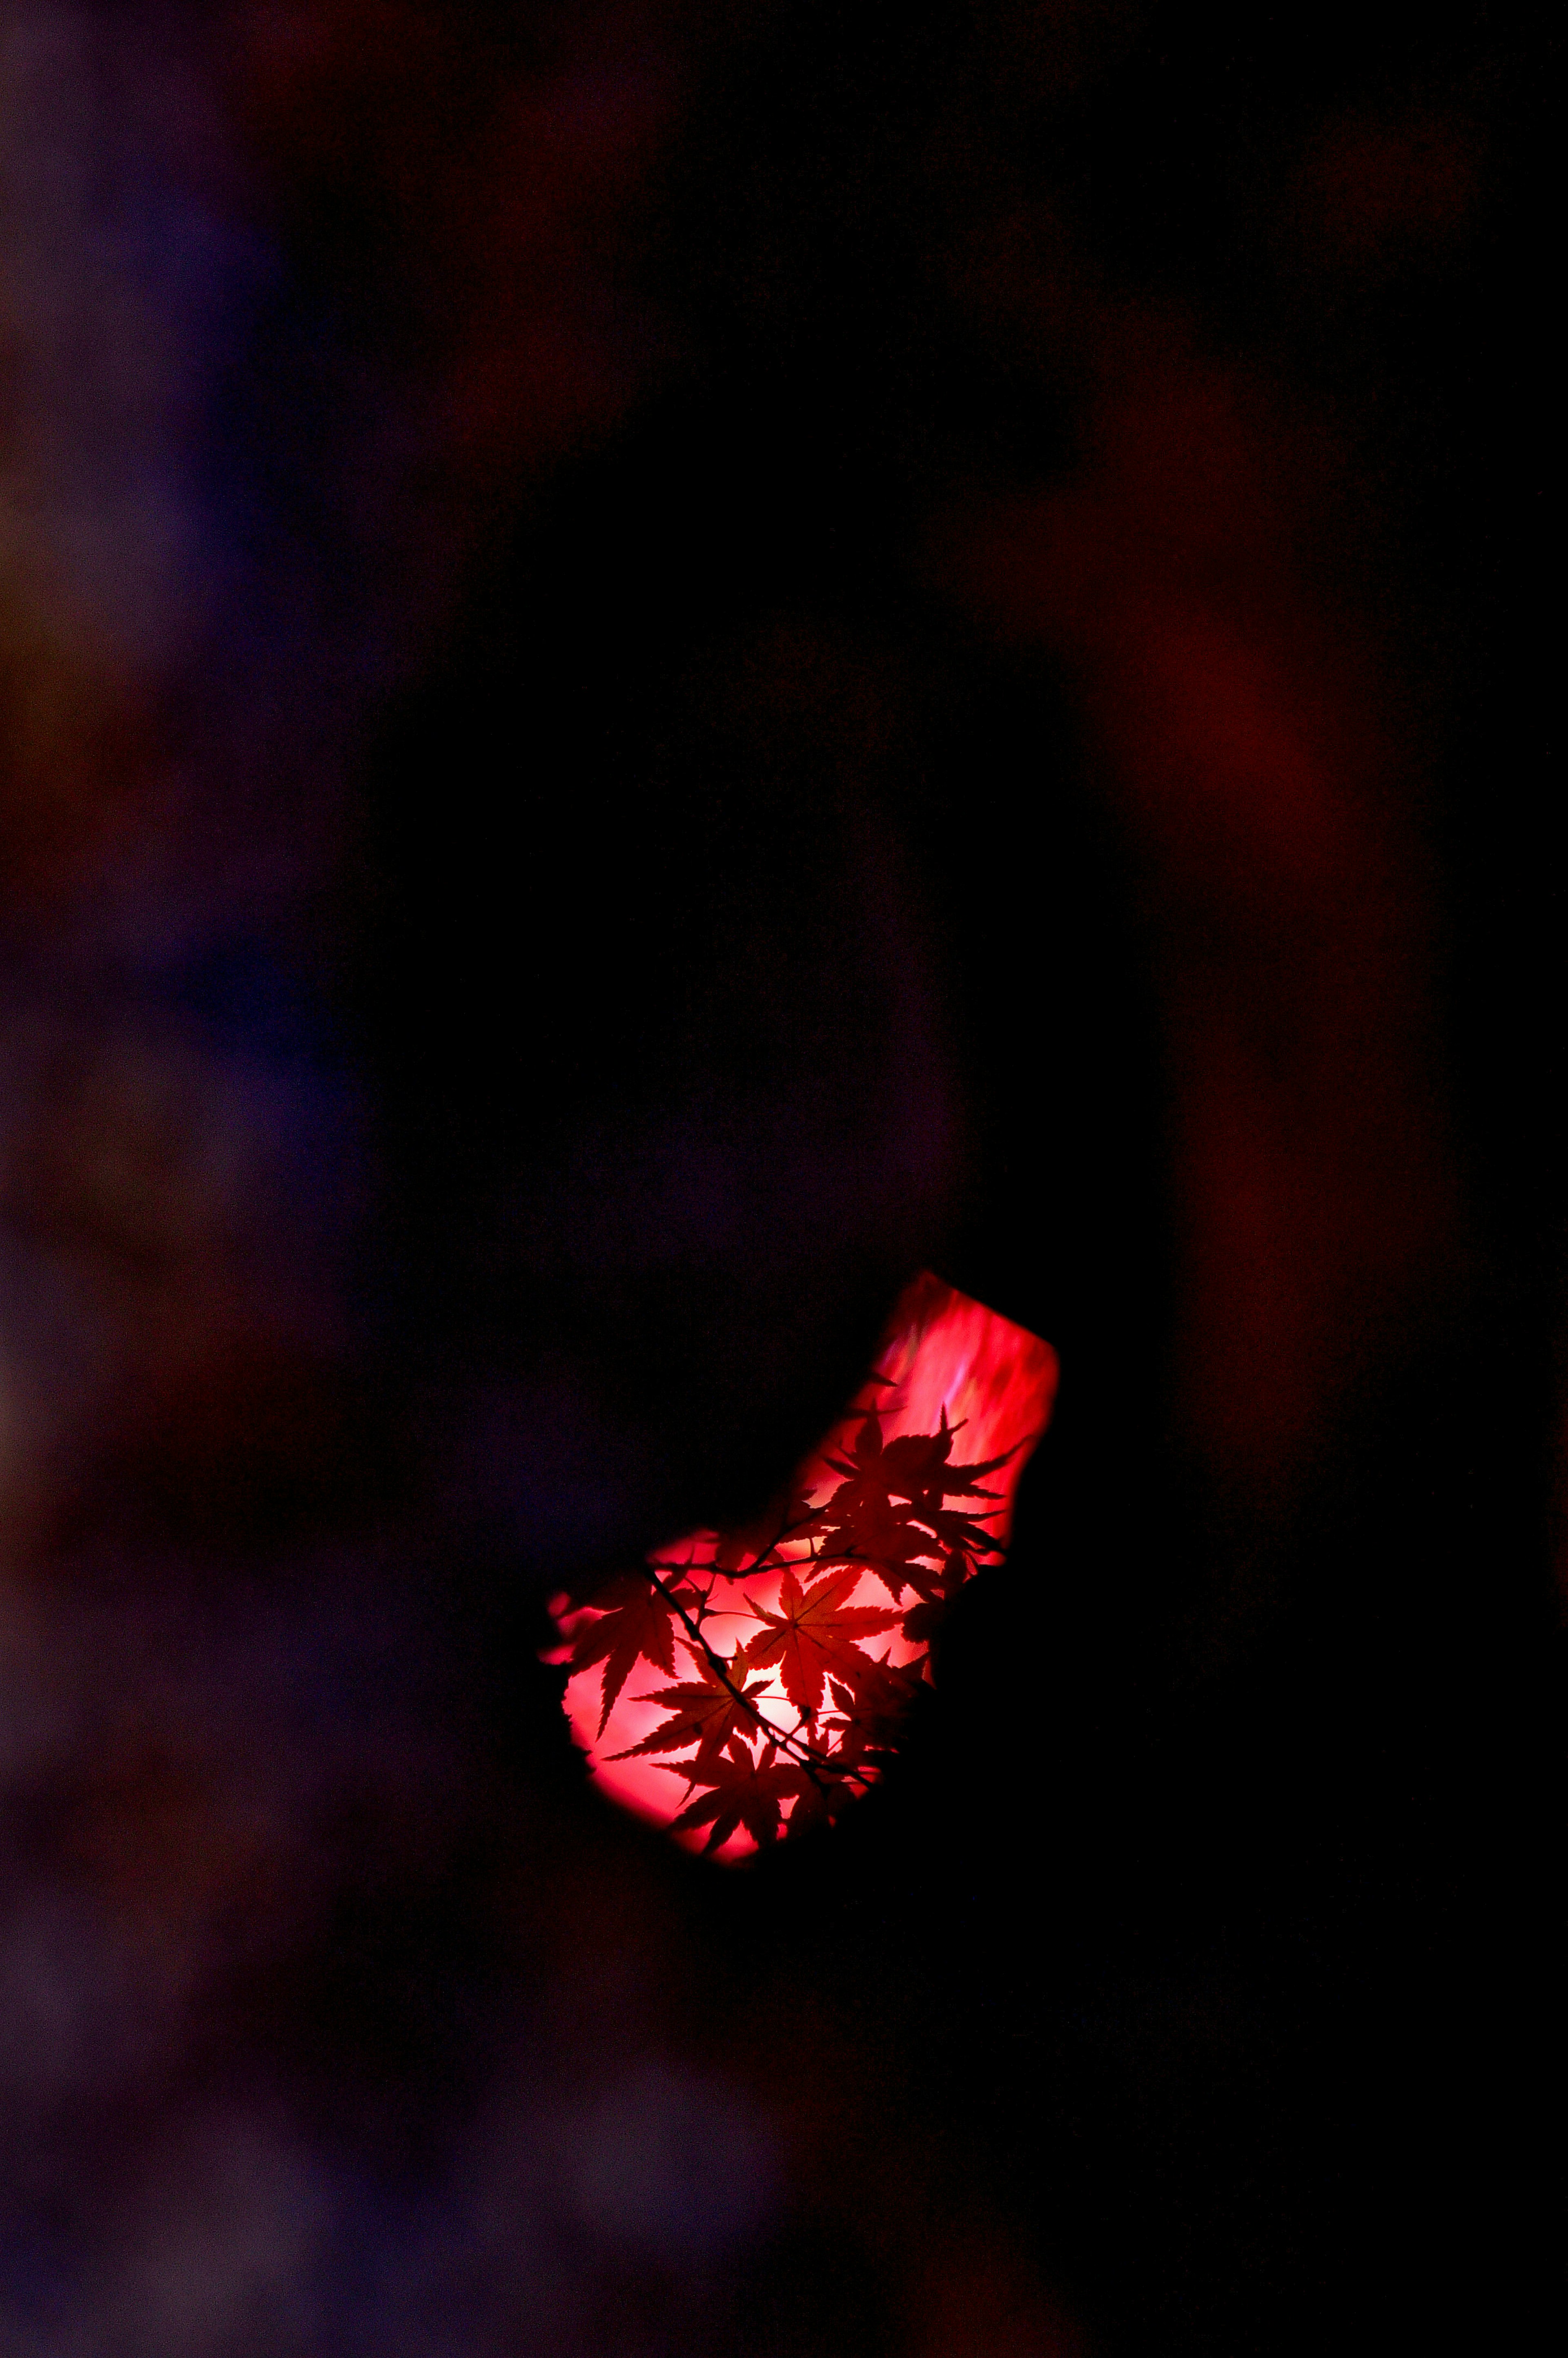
(873, 1692)
(865, 1474)
(915, 1466)
(825, 1794)
(637, 1622)
(869, 1707)
(744, 1793)
(959, 1533)
(885, 1538)
(921, 1623)
(936, 1583)
(811, 1633)
(861, 1521)
(705, 1711)
(898, 1508)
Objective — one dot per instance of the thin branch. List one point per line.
(806, 1758)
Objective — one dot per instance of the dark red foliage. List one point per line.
(636, 1623)
(789, 1714)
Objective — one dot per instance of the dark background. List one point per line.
(863, 640)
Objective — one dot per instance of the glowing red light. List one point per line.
(744, 1683)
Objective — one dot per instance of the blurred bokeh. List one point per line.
(659, 663)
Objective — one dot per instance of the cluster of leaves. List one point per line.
(754, 1758)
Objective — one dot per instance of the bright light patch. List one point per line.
(745, 1684)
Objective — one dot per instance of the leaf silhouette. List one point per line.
(921, 1623)
(885, 1538)
(871, 1706)
(744, 1793)
(769, 1611)
(637, 1622)
(705, 1711)
(915, 1466)
(934, 1583)
(812, 1631)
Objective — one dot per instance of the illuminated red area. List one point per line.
(750, 1682)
